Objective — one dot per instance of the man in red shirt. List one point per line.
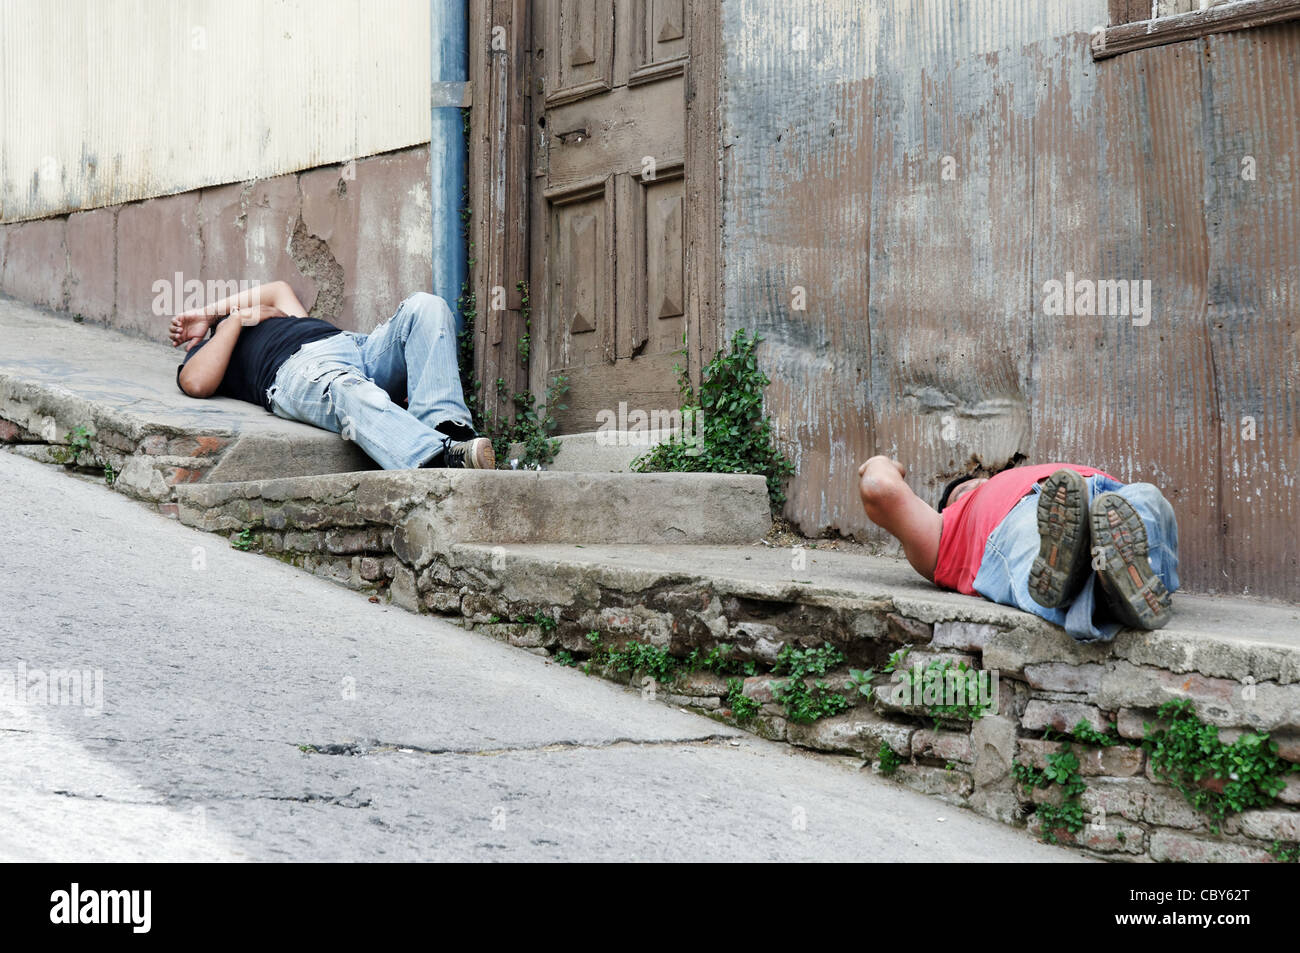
(1040, 538)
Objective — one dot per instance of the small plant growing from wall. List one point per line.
(805, 704)
(244, 541)
(731, 434)
(532, 426)
(1216, 778)
(77, 452)
(888, 759)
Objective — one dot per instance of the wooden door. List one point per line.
(610, 203)
(609, 228)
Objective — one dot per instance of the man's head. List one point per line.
(959, 487)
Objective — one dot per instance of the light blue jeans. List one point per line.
(1004, 571)
(349, 383)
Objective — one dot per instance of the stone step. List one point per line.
(417, 515)
(485, 549)
(544, 559)
(808, 595)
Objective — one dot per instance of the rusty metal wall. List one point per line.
(924, 334)
(109, 101)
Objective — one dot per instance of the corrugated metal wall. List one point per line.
(924, 334)
(108, 101)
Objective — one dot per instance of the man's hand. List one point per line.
(189, 327)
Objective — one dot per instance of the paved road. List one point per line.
(218, 665)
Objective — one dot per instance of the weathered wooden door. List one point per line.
(609, 222)
(615, 219)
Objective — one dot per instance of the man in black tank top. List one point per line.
(264, 350)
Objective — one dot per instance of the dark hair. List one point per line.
(947, 490)
(1011, 464)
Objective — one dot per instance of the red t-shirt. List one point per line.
(968, 523)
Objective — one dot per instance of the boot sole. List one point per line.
(1064, 544)
(1136, 594)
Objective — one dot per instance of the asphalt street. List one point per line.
(207, 671)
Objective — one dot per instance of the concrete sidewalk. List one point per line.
(58, 377)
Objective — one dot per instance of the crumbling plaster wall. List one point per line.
(353, 240)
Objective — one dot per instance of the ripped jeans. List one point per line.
(349, 383)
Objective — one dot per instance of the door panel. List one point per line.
(664, 279)
(582, 36)
(653, 291)
(581, 299)
(660, 37)
(615, 132)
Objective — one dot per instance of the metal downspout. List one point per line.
(449, 73)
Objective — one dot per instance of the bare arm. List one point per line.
(891, 505)
(202, 374)
(192, 325)
(276, 294)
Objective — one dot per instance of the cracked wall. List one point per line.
(353, 240)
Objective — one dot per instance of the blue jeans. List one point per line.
(1004, 571)
(348, 384)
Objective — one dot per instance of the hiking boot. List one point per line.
(1064, 543)
(475, 454)
(1132, 590)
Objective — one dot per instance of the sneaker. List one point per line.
(475, 454)
(1062, 563)
(1134, 593)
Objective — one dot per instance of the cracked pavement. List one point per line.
(423, 741)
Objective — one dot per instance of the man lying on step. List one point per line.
(1043, 538)
(266, 351)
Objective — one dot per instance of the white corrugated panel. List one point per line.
(107, 101)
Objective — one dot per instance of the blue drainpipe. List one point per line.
(449, 72)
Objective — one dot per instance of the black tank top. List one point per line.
(260, 351)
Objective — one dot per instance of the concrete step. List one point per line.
(469, 547)
(417, 515)
(57, 375)
(544, 559)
